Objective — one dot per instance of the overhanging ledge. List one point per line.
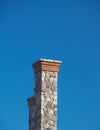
(46, 65)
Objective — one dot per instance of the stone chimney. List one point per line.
(43, 105)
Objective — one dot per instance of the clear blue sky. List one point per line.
(68, 30)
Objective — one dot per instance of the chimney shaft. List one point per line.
(43, 105)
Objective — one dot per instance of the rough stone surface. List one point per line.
(43, 105)
(43, 113)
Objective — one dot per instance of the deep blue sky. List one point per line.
(68, 30)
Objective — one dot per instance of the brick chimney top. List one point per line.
(46, 65)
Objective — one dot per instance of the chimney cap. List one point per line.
(46, 65)
(49, 60)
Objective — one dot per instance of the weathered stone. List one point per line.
(43, 112)
(48, 104)
(55, 113)
(50, 122)
(50, 111)
(43, 84)
(53, 118)
(48, 129)
(55, 93)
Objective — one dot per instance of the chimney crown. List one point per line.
(46, 65)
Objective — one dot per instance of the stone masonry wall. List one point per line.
(49, 101)
(43, 111)
(43, 105)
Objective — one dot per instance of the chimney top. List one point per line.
(46, 65)
(49, 60)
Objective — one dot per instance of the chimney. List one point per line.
(43, 105)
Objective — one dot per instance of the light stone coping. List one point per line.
(49, 60)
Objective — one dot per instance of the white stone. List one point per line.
(42, 98)
(55, 102)
(50, 112)
(48, 99)
(56, 61)
(43, 74)
(42, 78)
(55, 93)
(42, 112)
